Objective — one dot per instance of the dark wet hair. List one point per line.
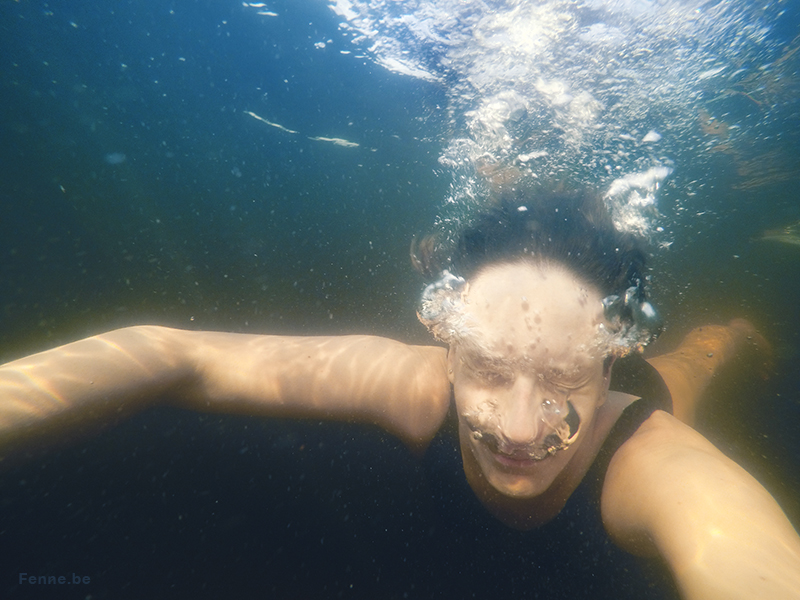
(573, 229)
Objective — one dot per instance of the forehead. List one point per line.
(533, 312)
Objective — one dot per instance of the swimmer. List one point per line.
(543, 314)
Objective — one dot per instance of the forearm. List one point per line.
(401, 388)
(87, 384)
(688, 370)
(743, 569)
(746, 547)
(699, 355)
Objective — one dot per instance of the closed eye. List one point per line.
(567, 385)
(493, 378)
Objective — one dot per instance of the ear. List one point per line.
(451, 363)
(608, 363)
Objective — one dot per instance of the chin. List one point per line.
(520, 488)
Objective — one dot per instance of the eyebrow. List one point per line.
(478, 357)
(569, 372)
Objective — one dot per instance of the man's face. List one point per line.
(529, 375)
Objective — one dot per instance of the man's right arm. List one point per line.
(402, 388)
(90, 384)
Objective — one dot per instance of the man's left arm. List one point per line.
(669, 491)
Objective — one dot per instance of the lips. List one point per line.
(515, 462)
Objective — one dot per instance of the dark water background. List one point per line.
(215, 220)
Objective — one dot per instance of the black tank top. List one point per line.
(569, 557)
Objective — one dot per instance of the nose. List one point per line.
(528, 411)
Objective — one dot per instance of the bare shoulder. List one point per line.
(659, 436)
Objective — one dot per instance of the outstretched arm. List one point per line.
(92, 383)
(669, 491)
(402, 388)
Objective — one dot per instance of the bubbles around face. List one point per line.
(621, 325)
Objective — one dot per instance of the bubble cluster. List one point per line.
(606, 94)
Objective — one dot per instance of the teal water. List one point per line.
(137, 187)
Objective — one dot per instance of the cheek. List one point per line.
(467, 398)
(587, 403)
(476, 404)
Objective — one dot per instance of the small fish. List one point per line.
(337, 141)
(318, 138)
(790, 234)
(270, 123)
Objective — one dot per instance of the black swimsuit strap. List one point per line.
(634, 375)
(630, 375)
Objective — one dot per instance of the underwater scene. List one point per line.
(263, 167)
